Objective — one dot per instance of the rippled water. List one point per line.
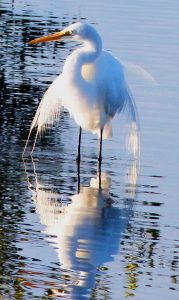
(57, 241)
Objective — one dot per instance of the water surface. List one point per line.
(59, 242)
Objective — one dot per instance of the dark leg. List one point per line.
(99, 174)
(79, 146)
(100, 147)
(100, 157)
(78, 177)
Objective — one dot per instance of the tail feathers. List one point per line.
(133, 137)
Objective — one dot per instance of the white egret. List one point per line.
(92, 87)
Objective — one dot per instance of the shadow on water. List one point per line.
(85, 230)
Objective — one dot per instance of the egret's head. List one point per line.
(77, 31)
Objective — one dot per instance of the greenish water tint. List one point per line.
(122, 241)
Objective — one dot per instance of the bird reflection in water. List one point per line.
(85, 232)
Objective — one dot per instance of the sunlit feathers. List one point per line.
(92, 87)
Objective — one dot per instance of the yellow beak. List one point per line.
(51, 37)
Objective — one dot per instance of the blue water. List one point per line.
(59, 242)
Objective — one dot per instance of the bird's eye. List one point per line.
(69, 32)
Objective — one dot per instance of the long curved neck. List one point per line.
(91, 49)
(87, 54)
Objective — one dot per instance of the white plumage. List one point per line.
(92, 87)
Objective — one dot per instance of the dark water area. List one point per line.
(115, 243)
